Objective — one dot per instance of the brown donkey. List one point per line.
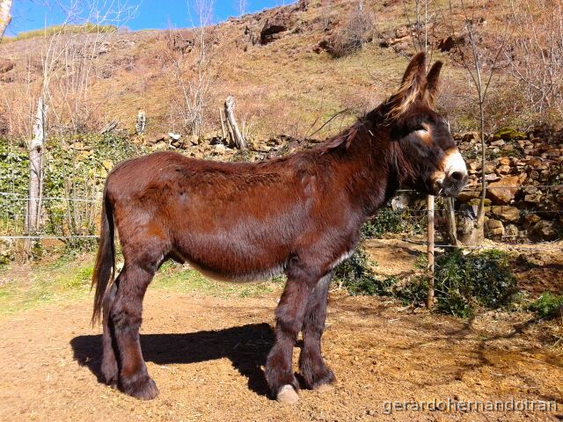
(299, 215)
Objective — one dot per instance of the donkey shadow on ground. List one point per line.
(246, 347)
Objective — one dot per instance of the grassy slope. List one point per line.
(283, 87)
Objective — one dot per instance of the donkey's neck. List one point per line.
(369, 167)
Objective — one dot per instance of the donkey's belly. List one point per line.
(239, 277)
(229, 260)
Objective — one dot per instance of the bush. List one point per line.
(74, 168)
(356, 275)
(464, 283)
(388, 221)
(358, 30)
(547, 305)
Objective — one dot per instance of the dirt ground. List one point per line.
(206, 355)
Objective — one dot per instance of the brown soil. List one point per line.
(206, 355)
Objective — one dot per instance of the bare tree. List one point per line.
(474, 62)
(69, 60)
(192, 68)
(5, 17)
(242, 5)
(36, 148)
(536, 56)
(423, 24)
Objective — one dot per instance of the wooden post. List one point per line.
(36, 148)
(222, 123)
(237, 137)
(430, 251)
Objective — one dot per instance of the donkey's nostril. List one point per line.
(457, 175)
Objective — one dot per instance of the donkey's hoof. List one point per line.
(143, 388)
(323, 388)
(287, 395)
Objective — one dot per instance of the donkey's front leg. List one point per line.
(289, 319)
(126, 316)
(311, 365)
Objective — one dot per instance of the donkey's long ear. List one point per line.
(412, 87)
(432, 84)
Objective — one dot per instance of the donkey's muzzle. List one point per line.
(453, 184)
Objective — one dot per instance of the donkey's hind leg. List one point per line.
(311, 365)
(126, 317)
(289, 319)
(110, 370)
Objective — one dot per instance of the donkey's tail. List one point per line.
(105, 260)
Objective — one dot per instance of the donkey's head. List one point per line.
(426, 155)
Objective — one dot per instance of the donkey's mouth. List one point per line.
(450, 186)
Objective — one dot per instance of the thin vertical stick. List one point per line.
(222, 123)
(430, 251)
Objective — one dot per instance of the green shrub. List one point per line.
(389, 221)
(385, 221)
(356, 275)
(74, 167)
(464, 283)
(546, 305)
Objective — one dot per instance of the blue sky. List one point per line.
(151, 14)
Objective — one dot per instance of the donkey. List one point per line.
(299, 215)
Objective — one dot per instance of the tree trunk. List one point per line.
(451, 226)
(141, 122)
(468, 233)
(36, 148)
(236, 137)
(5, 17)
(223, 130)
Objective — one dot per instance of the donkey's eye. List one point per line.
(420, 129)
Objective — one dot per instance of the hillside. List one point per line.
(281, 65)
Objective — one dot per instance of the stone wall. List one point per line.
(524, 172)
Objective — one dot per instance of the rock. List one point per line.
(503, 170)
(160, 146)
(530, 220)
(466, 196)
(499, 143)
(6, 65)
(503, 191)
(491, 177)
(507, 214)
(156, 139)
(275, 26)
(219, 148)
(544, 230)
(511, 231)
(401, 32)
(468, 137)
(494, 228)
(490, 167)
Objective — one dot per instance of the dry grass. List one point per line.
(282, 87)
